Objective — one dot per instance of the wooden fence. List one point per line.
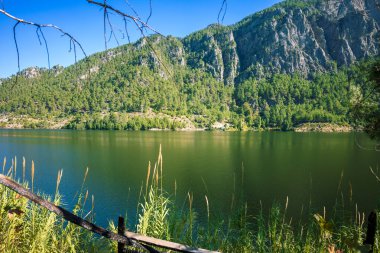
(124, 238)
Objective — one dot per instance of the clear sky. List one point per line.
(85, 22)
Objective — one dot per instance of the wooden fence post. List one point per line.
(120, 231)
(371, 229)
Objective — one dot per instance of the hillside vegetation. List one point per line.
(296, 62)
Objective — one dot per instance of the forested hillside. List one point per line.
(296, 62)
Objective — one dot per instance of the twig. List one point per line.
(222, 7)
(141, 25)
(15, 40)
(126, 29)
(136, 20)
(111, 27)
(375, 175)
(133, 9)
(104, 25)
(39, 30)
(39, 26)
(150, 11)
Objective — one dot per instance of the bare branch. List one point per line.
(19, 20)
(151, 46)
(133, 9)
(15, 40)
(141, 24)
(375, 174)
(104, 24)
(223, 8)
(45, 42)
(75, 52)
(126, 29)
(150, 11)
(111, 27)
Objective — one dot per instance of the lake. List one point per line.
(305, 167)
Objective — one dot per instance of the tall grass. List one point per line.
(247, 231)
(26, 227)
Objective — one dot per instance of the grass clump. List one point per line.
(26, 227)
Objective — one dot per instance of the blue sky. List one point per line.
(85, 22)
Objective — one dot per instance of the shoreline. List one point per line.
(339, 129)
(58, 123)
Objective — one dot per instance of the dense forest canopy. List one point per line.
(270, 70)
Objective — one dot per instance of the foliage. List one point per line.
(123, 86)
(26, 227)
(367, 106)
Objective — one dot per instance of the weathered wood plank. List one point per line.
(129, 238)
(165, 244)
(371, 229)
(120, 231)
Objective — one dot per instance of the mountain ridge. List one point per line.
(274, 62)
(276, 39)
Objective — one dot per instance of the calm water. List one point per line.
(306, 167)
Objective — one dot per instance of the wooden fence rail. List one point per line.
(124, 238)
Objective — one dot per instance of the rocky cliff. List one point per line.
(293, 36)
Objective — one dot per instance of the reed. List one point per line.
(153, 211)
(26, 227)
(23, 168)
(32, 175)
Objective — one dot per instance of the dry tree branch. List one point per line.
(112, 31)
(107, 21)
(39, 31)
(39, 26)
(131, 7)
(16, 44)
(374, 174)
(222, 7)
(135, 19)
(126, 29)
(150, 11)
(151, 47)
(104, 25)
(141, 25)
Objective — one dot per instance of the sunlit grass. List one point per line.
(27, 227)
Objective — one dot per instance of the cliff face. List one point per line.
(214, 49)
(293, 36)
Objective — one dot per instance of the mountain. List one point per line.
(296, 62)
(309, 36)
(293, 36)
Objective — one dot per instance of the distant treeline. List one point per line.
(116, 122)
